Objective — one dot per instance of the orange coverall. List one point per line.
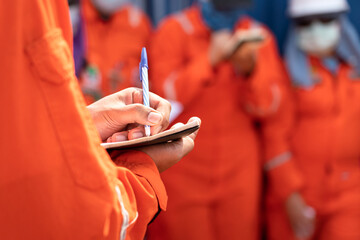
(215, 191)
(326, 146)
(56, 181)
(113, 47)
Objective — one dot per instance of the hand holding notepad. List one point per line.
(172, 134)
(121, 114)
(120, 119)
(165, 148)
(176, 132)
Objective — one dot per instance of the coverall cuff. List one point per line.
(284, 180)
(142, 165)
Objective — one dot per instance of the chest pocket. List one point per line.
(317, 101)
(52, 61)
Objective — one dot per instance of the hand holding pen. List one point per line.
(125, 114)
(121, 116)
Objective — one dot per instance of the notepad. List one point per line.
(162, 137)
(241, 37)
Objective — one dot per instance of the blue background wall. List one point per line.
(270, 12)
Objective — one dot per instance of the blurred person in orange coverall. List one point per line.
(215, 192)
(323, 60)
(56, 181)
(114, 33)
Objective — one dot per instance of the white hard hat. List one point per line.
(302, 8)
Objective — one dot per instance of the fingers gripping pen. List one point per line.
(143, 71)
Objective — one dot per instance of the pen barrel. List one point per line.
(145, 86)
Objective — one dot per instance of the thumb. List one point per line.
(194, 119)
(137, 113)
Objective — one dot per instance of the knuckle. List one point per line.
(135, 109)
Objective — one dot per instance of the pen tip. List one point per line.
(144, 56)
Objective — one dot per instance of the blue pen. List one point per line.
(143, 71)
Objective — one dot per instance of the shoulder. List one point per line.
(135, 16)
(185, 21)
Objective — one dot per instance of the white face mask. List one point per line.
(109, 6)
(319, 38)
(75, 18)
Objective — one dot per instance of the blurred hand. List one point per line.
(244, 58)
(122, 115)
(220, 46)
(223, 47)
(167, 154)
(301, 216)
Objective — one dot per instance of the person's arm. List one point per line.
(139, 185)
(174, 75)
(279, 163)
(266, 97)
(139, 194)
(269, 99)
(285, 181)
(261, 74)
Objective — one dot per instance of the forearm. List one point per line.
(265, 86)
(140, 189)
(279, 163)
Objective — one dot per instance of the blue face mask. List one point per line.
(218, 20)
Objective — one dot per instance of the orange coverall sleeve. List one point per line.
(268, 98)
(283, 176)
(56, 181)
(171, 76)
(142, 190)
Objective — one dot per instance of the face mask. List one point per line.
(109, 7)
(319, 38)
(74, 17)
